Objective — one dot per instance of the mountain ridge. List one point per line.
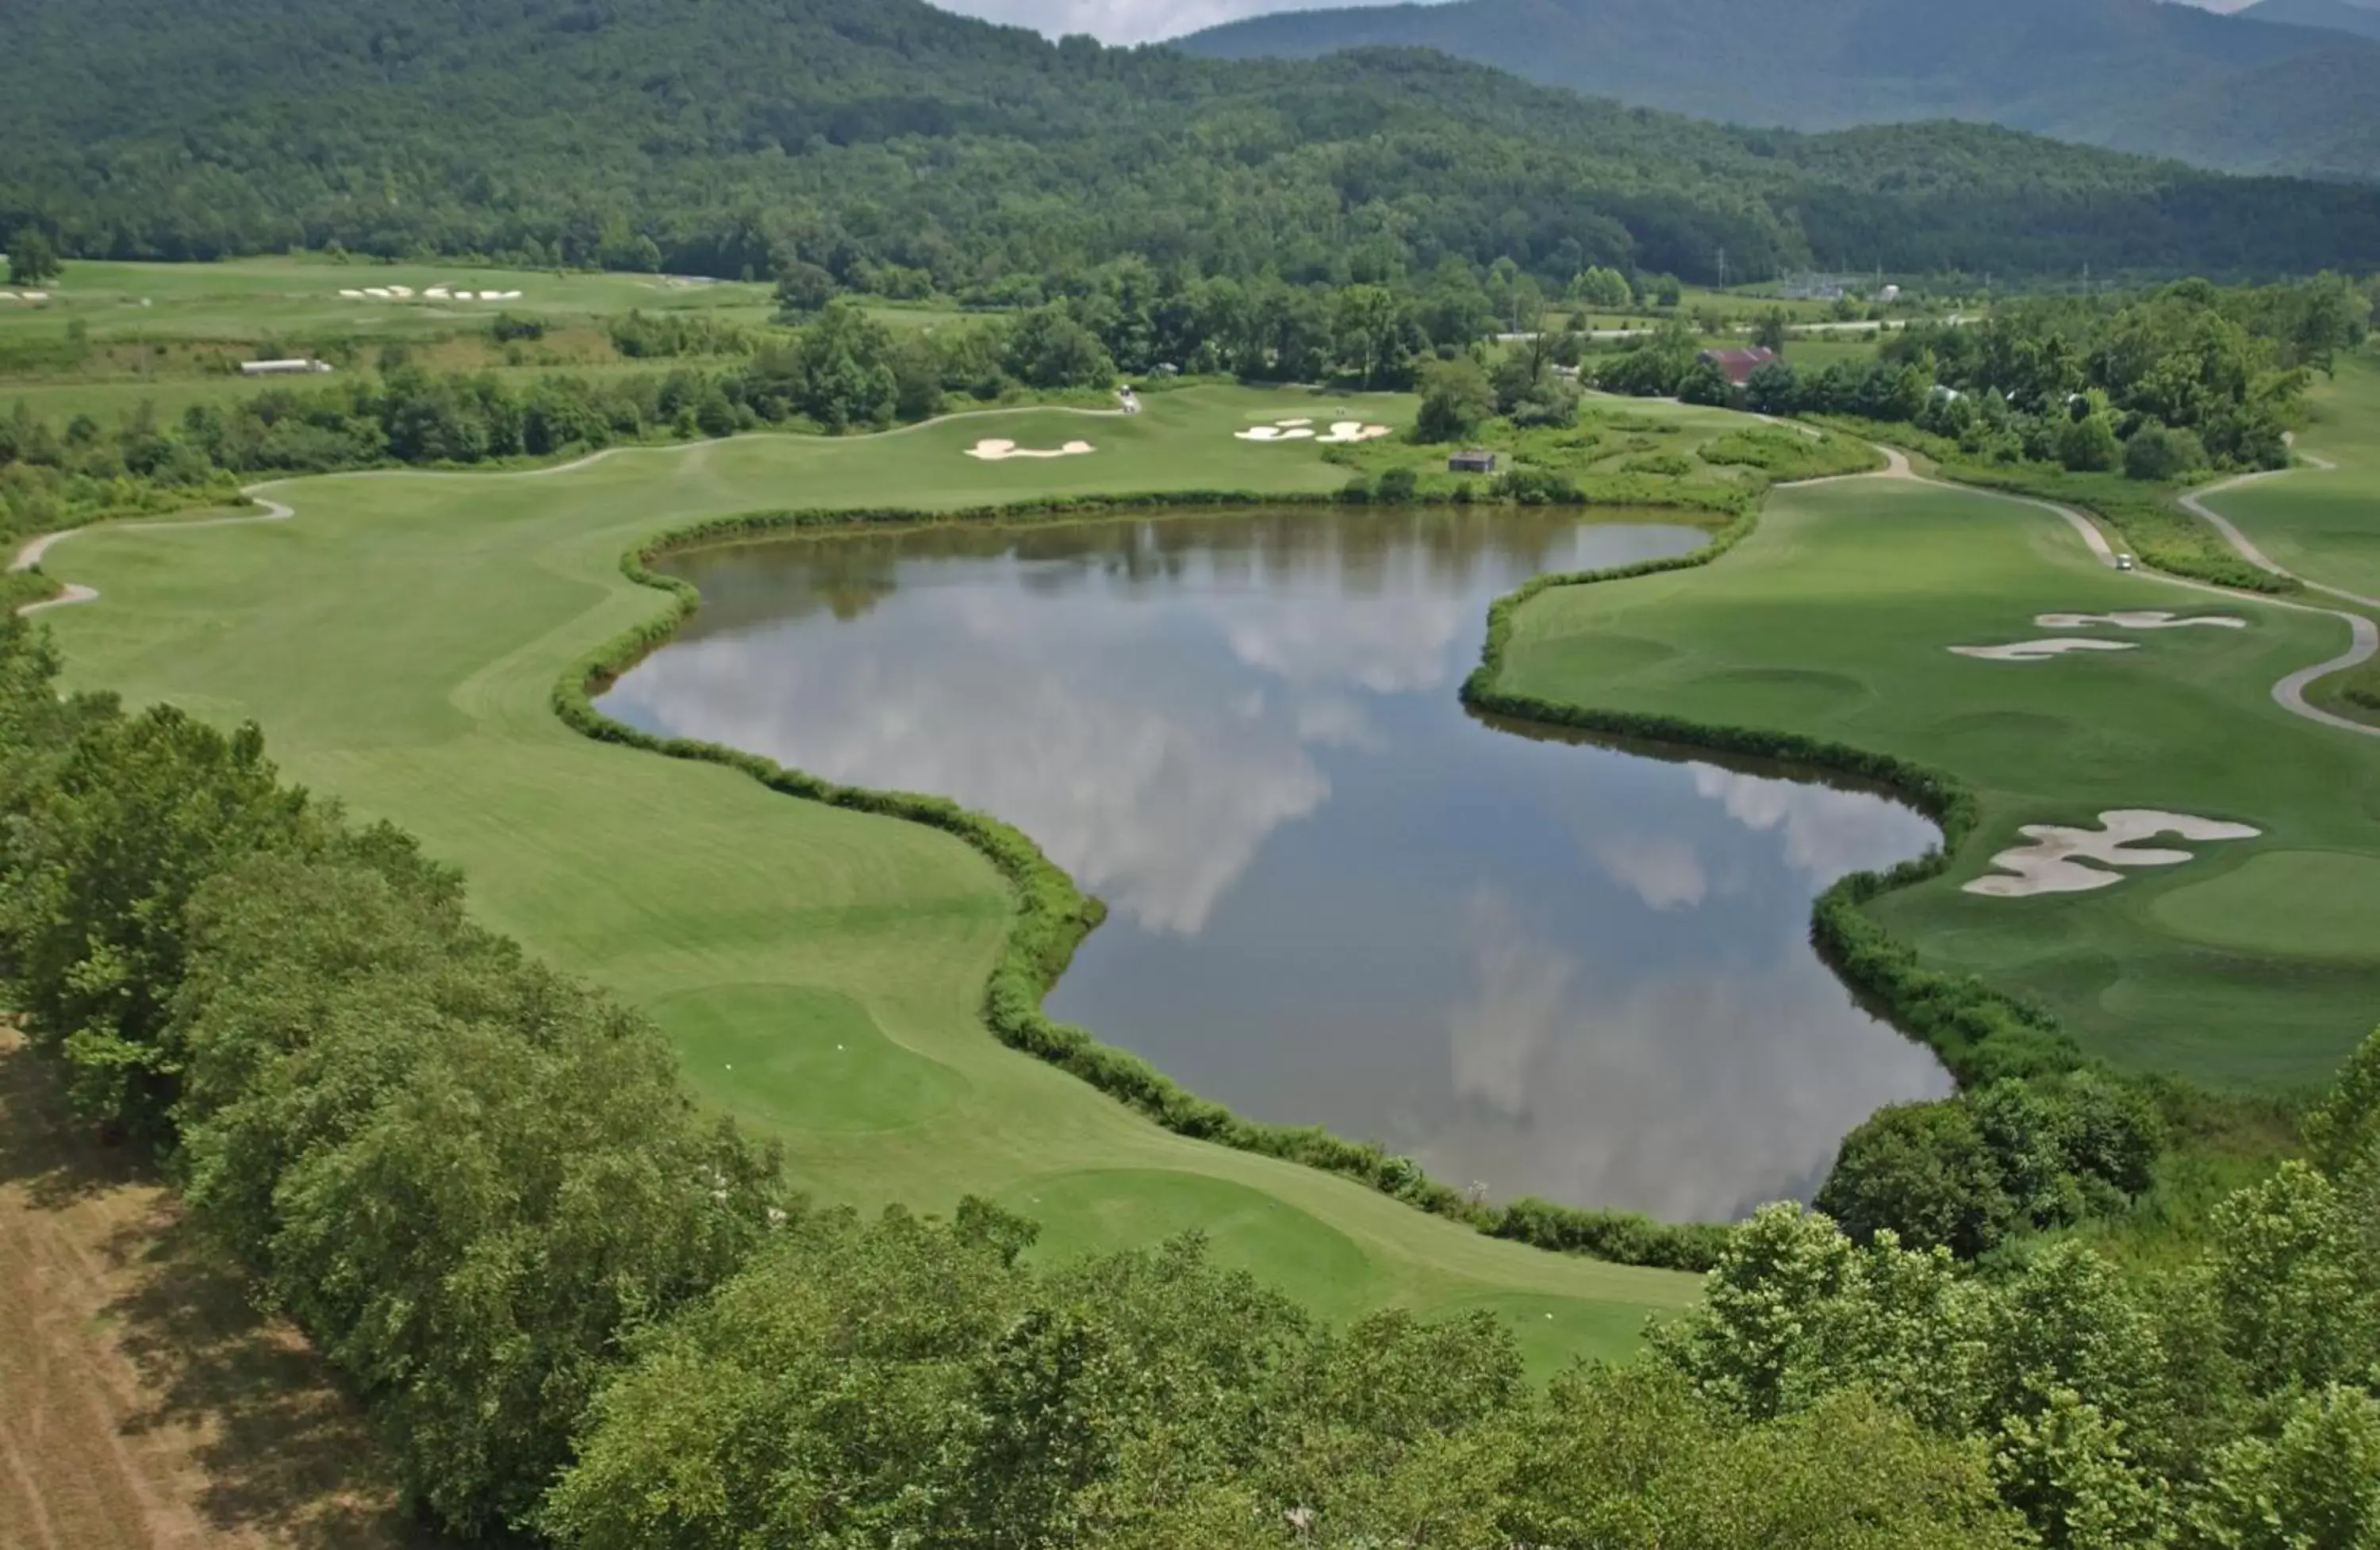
(2234, 94)
(895, 145)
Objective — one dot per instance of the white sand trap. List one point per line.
(351, 295)
(1275, 433)
(37, 295)
(379, 293)
(438, 293)
(7, 295)
(1347, 430)
(509, 295)
(2039, 650)
(402, 293)
(2140, 621)
(1000, 452)
(2054, 862)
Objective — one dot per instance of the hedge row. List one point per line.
(1052, 916)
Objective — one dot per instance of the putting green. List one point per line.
(2319, 904)
(1835, 620)
(807, 1059)
(399, 642)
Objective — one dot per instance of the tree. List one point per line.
(1771, 330)
(2088, 446)
(1925, 1172)
(1706, 383)
(1048, 349)
(31, 259)
(2066, 1468)
(802, 288)
(1773, 388)
(1601, 287)
(1456, 399)
(2315, 1486)
(2339, 1130)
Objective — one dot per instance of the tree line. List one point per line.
(578, 1310)
(2155, 385)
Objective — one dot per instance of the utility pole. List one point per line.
(1722, 269)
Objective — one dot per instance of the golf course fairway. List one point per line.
(822, 971)
(399, 640)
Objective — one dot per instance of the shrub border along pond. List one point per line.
(1979, 1033)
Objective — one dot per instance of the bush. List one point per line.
(2157, 454)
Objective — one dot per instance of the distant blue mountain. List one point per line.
(2240, 93)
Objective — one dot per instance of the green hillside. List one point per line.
(903, 148)
(2232, 93)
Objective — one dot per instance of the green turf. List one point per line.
(2325, 525)
(1833, 619)
(399, 642)
(2260, 907)
(247, 299)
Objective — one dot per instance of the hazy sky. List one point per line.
(1138, 21)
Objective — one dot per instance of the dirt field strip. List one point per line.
(143, 1404)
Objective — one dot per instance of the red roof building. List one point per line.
(1739, 365)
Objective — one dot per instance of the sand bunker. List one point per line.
(2054, 862)
(1340, 433)
(2140, 621)
(2039, 650)
(1000, 452)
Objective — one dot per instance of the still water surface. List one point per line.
(1547, 967)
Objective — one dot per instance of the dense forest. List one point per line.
(896, 146)
(579, 1311)
(2164, 80)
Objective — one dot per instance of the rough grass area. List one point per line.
(1833, 621)
(147, 1406)
(1623, 452)
(400, 642)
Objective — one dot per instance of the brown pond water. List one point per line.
(1337, 897)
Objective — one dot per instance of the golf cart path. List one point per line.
(2290, 694)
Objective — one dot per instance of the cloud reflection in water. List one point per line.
(1336, 899)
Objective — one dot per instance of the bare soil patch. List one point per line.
(144, 1404)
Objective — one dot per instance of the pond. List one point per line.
(1540, 965)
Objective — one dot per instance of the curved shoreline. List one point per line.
(1052, 916)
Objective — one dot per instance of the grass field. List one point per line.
(251, 299)
(2325, 525)
(399, 642)
(1834, 618)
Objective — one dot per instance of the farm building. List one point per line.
(1475, 460)
(281, 367)
(1738, 365)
